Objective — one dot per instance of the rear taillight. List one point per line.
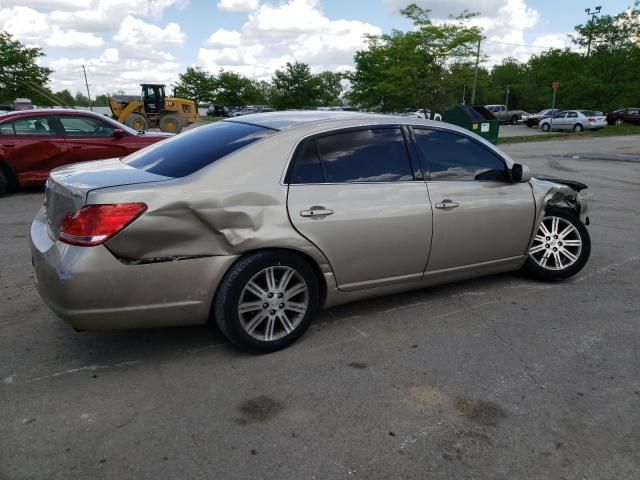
(591, 120)
(95, 224)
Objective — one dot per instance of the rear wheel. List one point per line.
(560, 248)
(266, 301)
(170, 123)
(513, 120)
(545, 127)
(4, 182)
(137, 122)
(578, 128)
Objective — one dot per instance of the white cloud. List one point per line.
(238, 5)
(26, 24)
(112, 71)
(54, 4)
(275, 34)
(73, 39)
(137, 34)
(106, 15)
(224, 38)
(552, 40)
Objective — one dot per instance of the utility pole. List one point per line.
(87, 84)
(475, 75)
(593, 15)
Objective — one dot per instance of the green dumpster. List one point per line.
(475, 118)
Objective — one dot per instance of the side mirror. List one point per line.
(520, 173)
(118, 133)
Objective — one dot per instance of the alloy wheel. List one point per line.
(557, 244)
(273, 303)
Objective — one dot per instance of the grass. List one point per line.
(610, 131)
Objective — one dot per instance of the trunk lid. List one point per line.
(67, 187)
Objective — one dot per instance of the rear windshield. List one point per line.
(190, 151)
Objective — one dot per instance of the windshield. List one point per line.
(188, 152)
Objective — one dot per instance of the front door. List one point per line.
(353, 195)
(478, 214)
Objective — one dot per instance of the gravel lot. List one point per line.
(501, 377)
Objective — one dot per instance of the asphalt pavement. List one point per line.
(495, 378)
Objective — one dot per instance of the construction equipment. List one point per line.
(153, 109)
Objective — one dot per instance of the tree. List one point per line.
(412, 68)
(329, 85)
(233, 89)
(195, 84)
(65, 97)
(294, 87)
(20, 75)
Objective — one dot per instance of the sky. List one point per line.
(123, 43)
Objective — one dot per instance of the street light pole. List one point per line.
(593, 15)
(475, 75)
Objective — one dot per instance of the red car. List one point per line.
(33, 142)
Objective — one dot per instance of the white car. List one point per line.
(576, 120)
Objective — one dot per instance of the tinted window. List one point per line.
(6, 129)
(190, 151)
(560, 115)
(572, 115)
(34, 126)
(454, 157)
(376, 155)
(307, 168)
(85, 127)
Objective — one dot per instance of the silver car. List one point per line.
(257, 222)
(576, 120)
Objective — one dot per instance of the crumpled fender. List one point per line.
(551, 194)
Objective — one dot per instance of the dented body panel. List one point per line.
(165, 267)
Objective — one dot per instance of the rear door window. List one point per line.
(190, 151)
(450, 156)
(34, 126)
(370, 155)
(7, 129)
(307, 167)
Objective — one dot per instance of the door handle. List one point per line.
(447, 204)
(315, 211)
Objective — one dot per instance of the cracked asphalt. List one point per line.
(495, 378)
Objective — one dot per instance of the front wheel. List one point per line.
(266, 301)
(545, 127)
(560, 248)
(619, 121)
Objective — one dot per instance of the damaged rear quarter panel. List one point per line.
(234, 205)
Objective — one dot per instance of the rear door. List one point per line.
(92, 139)
(356, 195)
(32, 146)
(478, 216)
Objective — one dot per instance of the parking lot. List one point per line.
(500, 377)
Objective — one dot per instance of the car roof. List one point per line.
(295, 118)
(46, 111)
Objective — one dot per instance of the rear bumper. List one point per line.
(92, 290)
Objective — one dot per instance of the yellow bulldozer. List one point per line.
(152, 109)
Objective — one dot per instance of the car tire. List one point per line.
(619, 121)
(170, 123)
(555, 255)
(578, 128)
(4, 182)
(529, 124)
(513, 120)
(137, 122)
(266, 301)
(545, 127)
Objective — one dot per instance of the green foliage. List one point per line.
(414, 68)
(433, 66)
(195, 84)
(20, 75)
(296, 87)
